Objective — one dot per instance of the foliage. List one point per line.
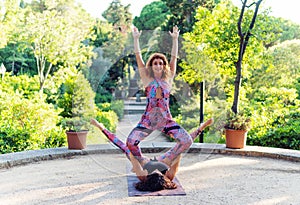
(27, 124)
(118, 107)
(289, 29)
(215, 38)
(118, 15)
(77, 101)
(237, 121)
(17, 62)
(183, 12)
(75, 124)
(9, 15)
(69, 27)
(108, 118)
(23, 84)
(152, 16)
(98, 69)
(269, 105)
(284, 134)
(197, 66)
(281, 68)
(113, 57)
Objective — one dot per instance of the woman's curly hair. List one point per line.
(155, 182)
(166, 71)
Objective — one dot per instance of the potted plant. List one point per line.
(236, 128)
(77, 102)
(76, 131)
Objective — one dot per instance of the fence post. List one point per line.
(202, 86)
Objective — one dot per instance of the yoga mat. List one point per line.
(132, 191)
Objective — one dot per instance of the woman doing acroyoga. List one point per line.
(157, 77)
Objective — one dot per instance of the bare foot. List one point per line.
(97, 124)
(206, 124)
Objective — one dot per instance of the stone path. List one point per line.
(101, 179)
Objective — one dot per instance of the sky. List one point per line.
(288, 9)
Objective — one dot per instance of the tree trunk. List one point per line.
(244, 39)
(237, 86)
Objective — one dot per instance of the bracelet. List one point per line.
(136, 52)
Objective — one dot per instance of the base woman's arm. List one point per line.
(173, 168)
(137, 168)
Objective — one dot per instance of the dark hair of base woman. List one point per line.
(155, 182)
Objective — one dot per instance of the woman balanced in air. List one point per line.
(157, 77)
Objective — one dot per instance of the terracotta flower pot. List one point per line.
(235, 138)
(77, 140)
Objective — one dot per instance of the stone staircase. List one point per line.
(132, 106)
(133, 111)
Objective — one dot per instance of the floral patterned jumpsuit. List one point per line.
(157, 116)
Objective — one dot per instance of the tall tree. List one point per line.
(215, 36)
(152, 16)
(55, 33)
(113, 55)
(10, 14)
(244, 35)
(183, 12)
(119, 16)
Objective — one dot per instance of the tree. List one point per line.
(56, 35)
(152, 16)
(113, 55)
(281, 69)
(215, 37)
(119, 16)
(183, 12)
(244, 36)
(9, 15)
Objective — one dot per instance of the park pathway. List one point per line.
(133, 111)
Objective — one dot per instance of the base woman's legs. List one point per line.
(201, 128)
(111, 137)
(184, 141)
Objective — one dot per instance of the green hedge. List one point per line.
(284, 134)
(108, 118)
(27, 124)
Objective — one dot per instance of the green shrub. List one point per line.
(27, 124)
(23, 84)
(108, 118)
(103, 97)
(284, 134)
(104, 106)
(118, 107)
(77, 101)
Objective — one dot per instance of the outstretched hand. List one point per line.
(136, 33)
(175, 32)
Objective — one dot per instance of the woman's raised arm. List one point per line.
(174, 51)
(141, 65)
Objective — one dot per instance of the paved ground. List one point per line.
(101, 179)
